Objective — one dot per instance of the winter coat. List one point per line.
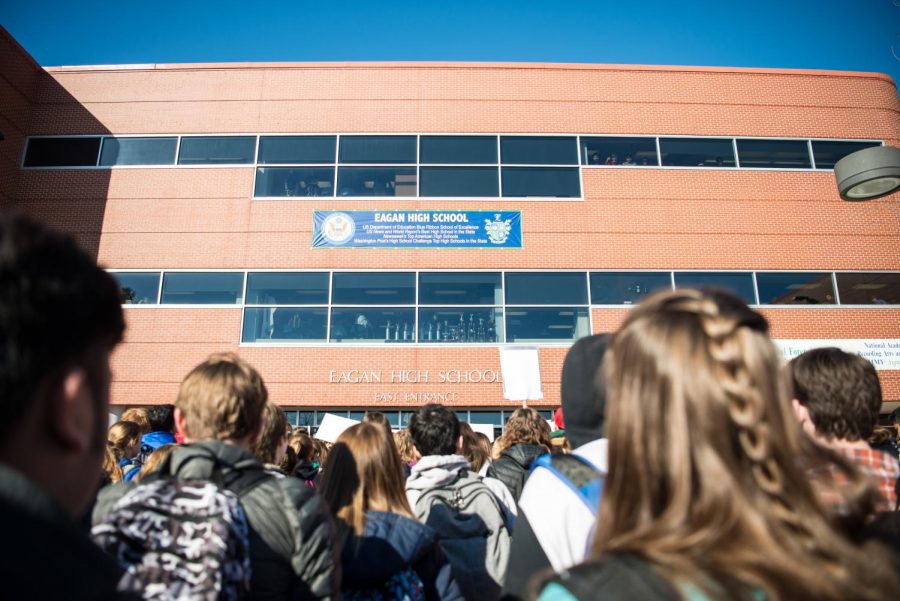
(513, 465)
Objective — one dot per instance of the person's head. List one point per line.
(364, 473)
(581, 390)
(111, 466)
(379, 418)
(320, 451)
(303, 444)
(124, 439)
(525, 426)
(155, 460)
(221, 399)
(837, 395)
(137, 415)
(476, 447)
(273, 435)
(161, 418)
(435, 430)
(403, 440)
(60, 318)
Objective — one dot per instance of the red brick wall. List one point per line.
(18, 79)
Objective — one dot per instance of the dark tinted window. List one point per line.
(544, 150)
(551, 182)
(287, 288)
(285, 324)
(869, 288)
(740, 284)
(459, 181)
(827, 154)
(460, 324)
(373, 289)
(619, 151)
(202, 288)
(626, 287)
(138, 288)
(458, 149)
(448, 288)
(696, 152)
(367, 324)
(781, 154)
(294, 181)
(296, 149)
(62, 152)
(217, 150)
(377, 181)
(485, 417)
(378, 149)
(795, 288)
(138, 151)
(546, 288)
(526, 324)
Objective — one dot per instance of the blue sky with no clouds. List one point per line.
(817, 34)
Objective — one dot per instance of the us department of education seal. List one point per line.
(338, 228)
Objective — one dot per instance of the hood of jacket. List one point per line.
(154, 440)
(435, 470)
(305, 470)
(212, 460)
(390, 543)
(524, 454)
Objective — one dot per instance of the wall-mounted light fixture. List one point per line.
(868, 173)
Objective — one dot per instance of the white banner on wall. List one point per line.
(884, 353)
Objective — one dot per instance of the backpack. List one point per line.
(472, 531)
(585, 480)
(405, 585)
(180, 539)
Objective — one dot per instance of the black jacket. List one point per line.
(513, 465)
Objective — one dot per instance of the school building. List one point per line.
(372, 235)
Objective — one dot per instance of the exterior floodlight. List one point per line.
(868, 173)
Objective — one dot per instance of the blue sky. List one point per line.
(818, 34)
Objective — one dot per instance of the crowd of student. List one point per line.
(701, 468)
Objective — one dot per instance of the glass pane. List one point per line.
(460, 288)
(795, 288)
(780, 154)
(460, 181)
(460, 150)
(202, 288)
(695, 152)
(377, 181)
(62, 152)
(217, 150)
(485, 417)
(296, 149)
(829, 153)
(541, 181)
(357, 415)
(374, 288)
(365, 324)
(568, 288)
(138, 288)
(535, 324)
(138, 151)
(393, 418)
(626, 287)
(270, 324)
(378, 149)
(460, 324)
(869, 288)
(306, 418)
(740, 284)
(617, 151)
(543, 150)
(294, 181)
(287, 288)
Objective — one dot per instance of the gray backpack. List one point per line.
(470, 525)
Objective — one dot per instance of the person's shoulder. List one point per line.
(616, 576)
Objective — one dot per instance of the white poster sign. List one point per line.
(333, 426)
(486, 429)
(521, 373)
(884, 353)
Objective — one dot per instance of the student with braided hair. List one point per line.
(707, 495)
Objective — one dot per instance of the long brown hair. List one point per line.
(475, 449)
(708, 469)
(363, 473)
(120, 436)
(524, 426)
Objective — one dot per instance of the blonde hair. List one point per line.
(274, 430)
(524, 426)
(120, 436)
(155, 460)
(364, 473)
(137, 415)
(222, 398)
(111, 466)
(403, 440)
(708, 467)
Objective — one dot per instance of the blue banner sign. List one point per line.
(417, 229)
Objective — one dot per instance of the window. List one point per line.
(378, 149)
(777, 154)
(274, 150)
(138, 151)
(287, 288)
(460, 324)
(541, 182)
(740, 284)
(458, 150)
(62, 152)
(542, 150)
(368, 324)
(493, 418)
(626, 287)
(377, 181)
(619, 152)
(869, 288)
(696, 152)
(369, 288)
(542, 324)
(202, 288)
(460, 288)
(530, 288)
(285, 324)
(217, 150)
(459, 181)
(138, 288)
(826, 154)
(795, 288)
(294, 181)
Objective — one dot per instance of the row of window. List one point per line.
(311, 418)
